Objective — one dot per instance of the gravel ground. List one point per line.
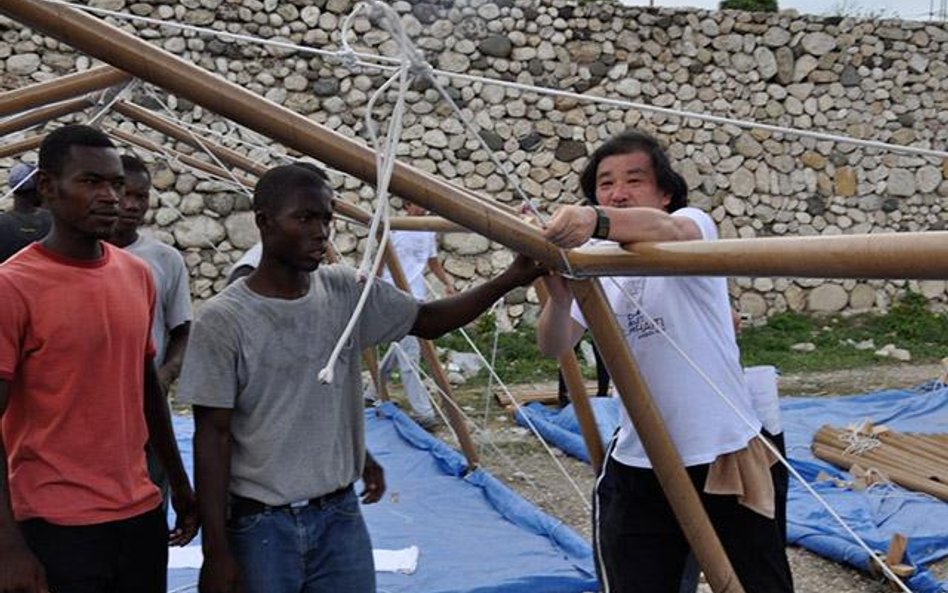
(518, 459)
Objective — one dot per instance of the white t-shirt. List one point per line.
(696, 313)
(172, 291)
(414, 249)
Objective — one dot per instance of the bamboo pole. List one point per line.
(921, 255)
(371, 360)
(139, 58)
(896, 474)
(193, 162)
(42, 115)
(576, 387)
(659, 446)
(59, 89)
(21, 146)
(235, 159)
(437, 372)
(150, 63)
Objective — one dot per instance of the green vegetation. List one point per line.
(908, 325)
(518, 360)
(750, 5)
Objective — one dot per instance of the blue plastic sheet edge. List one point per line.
(507, 502)
(563, 432)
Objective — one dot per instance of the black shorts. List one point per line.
(127, 556)
(640, 548)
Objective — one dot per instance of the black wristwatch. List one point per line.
(602, 224)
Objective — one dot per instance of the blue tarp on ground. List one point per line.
(875, 514)
(474, 534)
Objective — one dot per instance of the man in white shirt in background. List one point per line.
(416, 251)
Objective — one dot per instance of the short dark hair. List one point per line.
(314, 168)
(631, 141)
(277, 183)
(133, 164)
(55, 147)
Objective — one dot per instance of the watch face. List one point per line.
(602, 225)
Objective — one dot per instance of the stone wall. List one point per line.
(879, 80)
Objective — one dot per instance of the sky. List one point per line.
(905, 9)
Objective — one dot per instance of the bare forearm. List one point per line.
(160, 431)
(174, 354)
(648, 224)
(436, 318)
(211, 477)
(438, 270)
(556, 329)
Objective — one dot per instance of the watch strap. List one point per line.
(601, 231)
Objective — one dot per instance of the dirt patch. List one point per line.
(515, 456)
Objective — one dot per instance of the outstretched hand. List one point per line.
(525, 270)
(570, 226)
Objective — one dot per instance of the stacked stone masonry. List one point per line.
(882, 80)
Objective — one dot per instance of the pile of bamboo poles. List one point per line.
(917, 462)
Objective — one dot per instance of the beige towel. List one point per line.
(745, 474)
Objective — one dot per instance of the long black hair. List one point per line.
(667, 179)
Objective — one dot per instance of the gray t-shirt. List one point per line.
(294, 438)
(172, 292)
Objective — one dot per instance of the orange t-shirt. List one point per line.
(74, 336)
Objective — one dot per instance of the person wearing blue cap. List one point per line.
(27, 221)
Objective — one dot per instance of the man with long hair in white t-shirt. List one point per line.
(637, 196)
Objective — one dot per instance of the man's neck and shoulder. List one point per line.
(154, 251)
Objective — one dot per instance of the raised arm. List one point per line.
(572, 226)
(20, 571)
(436, 318)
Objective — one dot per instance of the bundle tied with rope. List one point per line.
(877, 454)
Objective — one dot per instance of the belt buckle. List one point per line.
(299, 504)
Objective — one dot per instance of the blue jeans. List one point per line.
(315, 549)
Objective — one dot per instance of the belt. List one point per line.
(241, 506)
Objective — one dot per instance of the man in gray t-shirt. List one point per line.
(172, 314)
(276, 450)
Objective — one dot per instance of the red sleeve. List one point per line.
(14, 318)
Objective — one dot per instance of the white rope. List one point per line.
(857, 441)
(766, 442)
(385, 154)
(487, 433)
(583, 495)
(362, 61)
(203, 146)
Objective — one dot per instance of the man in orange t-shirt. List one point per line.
(79, 395)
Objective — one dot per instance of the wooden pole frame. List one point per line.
(43, 115)
(149, 63)
(235, 159)
(59, 89)
(152, 64)
(21, 146)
